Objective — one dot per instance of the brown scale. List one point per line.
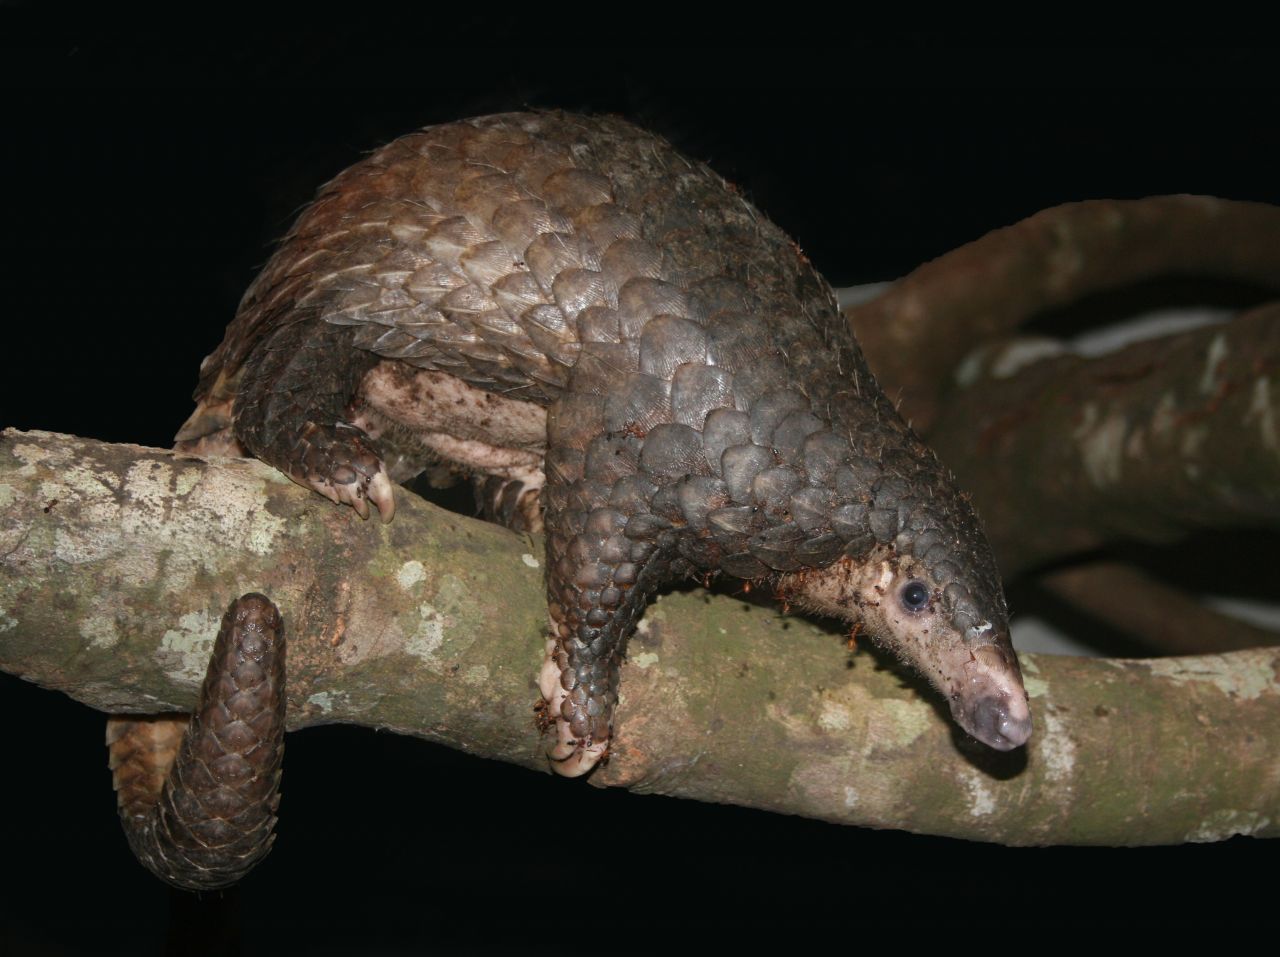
(198, 794)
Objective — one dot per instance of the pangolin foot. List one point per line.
(572, 755)
(341, 463)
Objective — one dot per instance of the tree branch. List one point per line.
(1162, 617)
(1147, 442)
(917, 333)
(119, 560)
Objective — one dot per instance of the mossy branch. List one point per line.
(117, 562)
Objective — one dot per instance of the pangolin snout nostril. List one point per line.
(1016, 730)
(1000, 723)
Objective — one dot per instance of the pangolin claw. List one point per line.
(382, 495)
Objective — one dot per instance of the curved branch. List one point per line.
(118, 560)
(1162, 617)
(924, 325)
(1147, 442)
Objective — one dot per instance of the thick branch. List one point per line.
(1162, 617)
(1147, 442)
(918, 332)
(118, 561)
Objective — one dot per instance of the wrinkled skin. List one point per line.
(624, 352)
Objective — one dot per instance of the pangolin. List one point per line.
(620, 350)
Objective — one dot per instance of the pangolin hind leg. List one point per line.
(291, 412)
(515, 503)
(198, 795)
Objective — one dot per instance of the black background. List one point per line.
(145, 180)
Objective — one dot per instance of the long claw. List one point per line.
(382, 495)
(324, 488)
(361, 506)
(379, 490)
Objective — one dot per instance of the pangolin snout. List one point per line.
(1000, 722)
(992, 703)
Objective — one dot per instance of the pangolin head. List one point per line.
(932, 596)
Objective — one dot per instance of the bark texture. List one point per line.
(916, 334)
(1146, 443)
(1162, 617)
(117, 562)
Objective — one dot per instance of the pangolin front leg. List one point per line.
(198, 795)
(292, 412)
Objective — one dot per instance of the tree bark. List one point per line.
(1145, 443)
(916, 334)
(1162, 617)
(118, 562)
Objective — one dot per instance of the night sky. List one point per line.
(145, 184)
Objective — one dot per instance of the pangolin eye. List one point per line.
(915, 595)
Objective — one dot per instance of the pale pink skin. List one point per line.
(976, 672)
